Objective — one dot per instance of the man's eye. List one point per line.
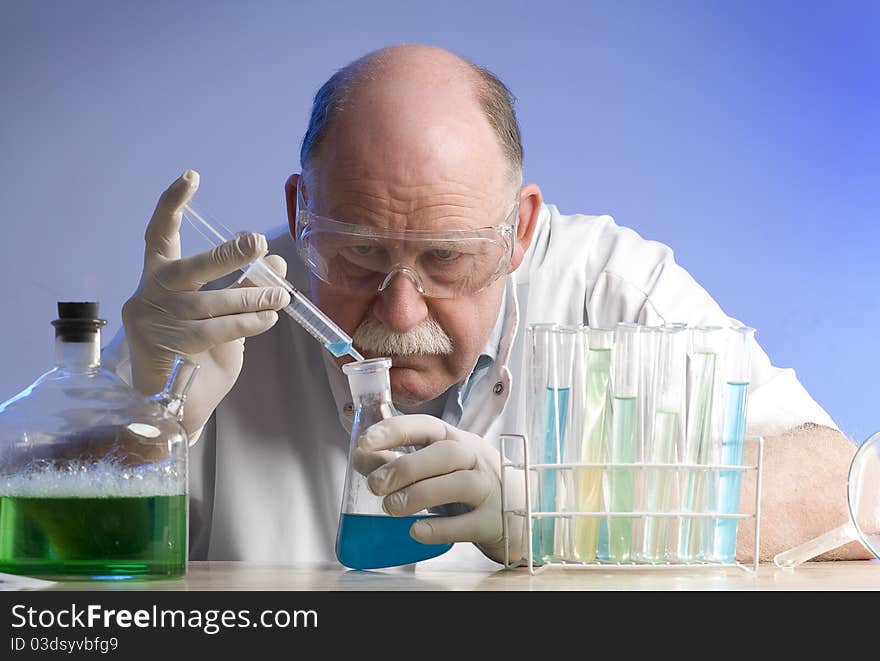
(364, 250)
(444, 255)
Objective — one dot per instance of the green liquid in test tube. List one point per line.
(623, 440)
(624, 418)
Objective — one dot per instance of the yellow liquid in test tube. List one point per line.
(589, 480)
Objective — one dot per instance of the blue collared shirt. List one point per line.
(450, 405)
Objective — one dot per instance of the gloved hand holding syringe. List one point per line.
(300, 308)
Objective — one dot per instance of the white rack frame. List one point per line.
(531, 516)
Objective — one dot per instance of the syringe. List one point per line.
(300, 308)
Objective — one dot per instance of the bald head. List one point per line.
(409, 140)
(402, 97)
(406, 141)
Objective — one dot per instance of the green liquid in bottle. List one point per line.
(94, 537)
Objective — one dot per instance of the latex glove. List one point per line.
(168, 315)
(454, 466)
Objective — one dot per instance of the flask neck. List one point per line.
(81, 355)
(370, 409)
(179, 381)
(367, 385)
(370, 385)
(372, 399)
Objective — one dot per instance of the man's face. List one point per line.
(462, 324)
(430, 169)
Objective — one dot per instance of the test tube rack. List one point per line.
(529, 516)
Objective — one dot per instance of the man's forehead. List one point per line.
(418, 176)
(414, 152)
(438, 206)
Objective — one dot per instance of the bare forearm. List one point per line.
(803, 492)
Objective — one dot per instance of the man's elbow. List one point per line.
(803, 492)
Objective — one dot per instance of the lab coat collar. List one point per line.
(490, 349)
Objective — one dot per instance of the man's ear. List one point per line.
(530, 200)
(290, 197)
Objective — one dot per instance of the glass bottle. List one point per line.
(93, 475)
(368, 537)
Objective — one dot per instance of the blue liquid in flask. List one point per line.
(374, 541)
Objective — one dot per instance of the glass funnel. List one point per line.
(368, 537)
(93, 475)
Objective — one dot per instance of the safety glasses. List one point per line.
(441, 264)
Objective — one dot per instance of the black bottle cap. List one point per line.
(77, 310)
(77, 321)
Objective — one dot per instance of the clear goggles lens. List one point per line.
(442, 264)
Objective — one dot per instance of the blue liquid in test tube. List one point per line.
(554, 440)
(729, 484)
(602, 549)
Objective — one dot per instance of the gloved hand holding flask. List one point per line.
(453, 466)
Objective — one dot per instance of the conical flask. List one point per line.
(369, 538)
(93, 475)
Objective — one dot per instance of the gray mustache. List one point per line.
(426, 339)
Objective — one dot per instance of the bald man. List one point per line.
(412, 229)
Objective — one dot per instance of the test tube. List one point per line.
(552, 349)
(667, 438)
(736, 394)
(559, 402)
(649, 339)
(597, 344)
(699, 433)
(623, 439)
(649, 346)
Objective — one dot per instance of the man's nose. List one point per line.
(400, 305)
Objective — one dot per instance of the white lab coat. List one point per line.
(267, 473)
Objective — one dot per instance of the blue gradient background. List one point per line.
(742, 134)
